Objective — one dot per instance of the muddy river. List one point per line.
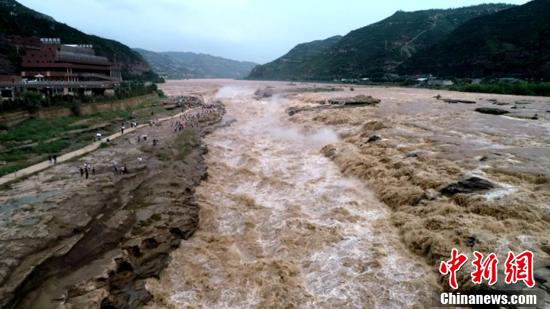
(282, 227)
(306, 204)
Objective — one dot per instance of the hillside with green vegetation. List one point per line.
(181, 65)
(304, 58)
(33, 140)
(510, 43)
(16, 19)
(378, 49)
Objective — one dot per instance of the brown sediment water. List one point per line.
(281, 226)
(413, 145)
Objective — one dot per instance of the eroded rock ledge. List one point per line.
(127, 227)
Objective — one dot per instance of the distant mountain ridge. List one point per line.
(181, 65)
(18, 20)
(511, 43)
(377, 49)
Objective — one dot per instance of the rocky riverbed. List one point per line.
(71, 242)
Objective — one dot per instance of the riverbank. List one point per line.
(10, 119)
(57, 132)
(67, 240)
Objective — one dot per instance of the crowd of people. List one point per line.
(194, 113)
(187, 102)
(86, 170)
(192, 117)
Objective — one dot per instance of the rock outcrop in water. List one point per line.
(337, 103)
(454, 101)
(492, 111)
(468, 185)
(264, 93)
(356, 100)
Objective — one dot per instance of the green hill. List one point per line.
(180, 65)
(16, 19)
(301, 62)
(380, 48)
(510, 43)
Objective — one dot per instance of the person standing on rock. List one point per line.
(86, 172)
(55, 159)
(81, 172)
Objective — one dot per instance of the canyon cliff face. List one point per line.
(510, 43)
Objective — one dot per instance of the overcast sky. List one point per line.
(253, 30)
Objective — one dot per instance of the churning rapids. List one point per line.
(282, 227)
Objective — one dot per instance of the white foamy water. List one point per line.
(281, 227)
